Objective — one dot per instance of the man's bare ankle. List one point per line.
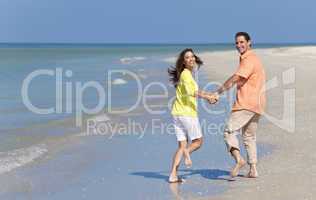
(252, 166)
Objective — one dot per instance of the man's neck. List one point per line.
(246, 51)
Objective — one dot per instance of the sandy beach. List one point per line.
(290, 171)
(137, 161)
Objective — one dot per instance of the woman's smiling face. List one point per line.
(189, 60)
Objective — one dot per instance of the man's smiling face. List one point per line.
(242, 45)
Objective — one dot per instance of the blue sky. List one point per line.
(163, 21)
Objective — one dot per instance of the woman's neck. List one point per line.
(189, 68)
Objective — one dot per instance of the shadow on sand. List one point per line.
(212, 174)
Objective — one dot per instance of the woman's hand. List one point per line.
(213, 98)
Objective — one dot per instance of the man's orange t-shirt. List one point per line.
(251, 95)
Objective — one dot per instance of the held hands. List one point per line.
(212, 98)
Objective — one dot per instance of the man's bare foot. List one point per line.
(187, 158)
(238, 166)
(253, 173)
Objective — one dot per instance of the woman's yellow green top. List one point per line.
(185, 103)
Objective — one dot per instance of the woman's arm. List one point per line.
(211, 97)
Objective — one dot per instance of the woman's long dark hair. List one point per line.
(175, 72)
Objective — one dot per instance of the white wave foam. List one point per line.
(95, 120)
(119, 81)
(19, 157)
(139, 58)
(170, 59)
(101, 118)
(129, 60)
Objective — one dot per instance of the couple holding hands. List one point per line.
(247, 109)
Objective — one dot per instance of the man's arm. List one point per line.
(234, 79)
(213, 97)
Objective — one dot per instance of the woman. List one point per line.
(184, 109)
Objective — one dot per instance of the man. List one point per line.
(249, 105)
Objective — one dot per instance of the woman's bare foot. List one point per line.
(175, 179)
(172, 177)
(187, 158)
(235, 171)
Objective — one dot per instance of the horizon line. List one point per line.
(146, 43)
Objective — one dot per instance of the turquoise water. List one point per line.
(26, 136)
(87, 63)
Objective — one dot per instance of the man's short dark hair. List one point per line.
(245, 34)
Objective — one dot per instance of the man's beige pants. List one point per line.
(246, 122)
